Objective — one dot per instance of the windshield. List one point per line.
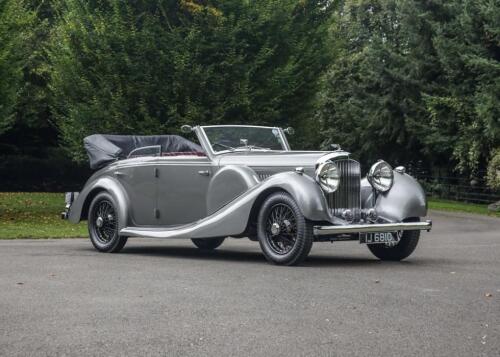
(244, 138)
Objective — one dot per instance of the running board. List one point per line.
(184, 231)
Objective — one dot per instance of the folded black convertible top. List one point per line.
(104, 149)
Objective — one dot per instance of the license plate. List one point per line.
(378, 238)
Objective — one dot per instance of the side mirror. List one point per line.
(289, 130)
(186, 129)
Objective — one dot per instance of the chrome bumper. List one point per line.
(372, 228)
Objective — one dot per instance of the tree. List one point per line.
(371, 90)
(468, 49)
(14, 20)
(149, 66)
(415, 81)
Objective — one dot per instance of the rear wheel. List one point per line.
(103, 224)
(400, 250)
(285, 235)
(208, 243)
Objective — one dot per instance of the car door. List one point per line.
(137, 177)
(182, 188)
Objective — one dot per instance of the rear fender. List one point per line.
(79, 208)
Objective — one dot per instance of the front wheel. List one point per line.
(400, 250)
(285, 235)
(103, 224)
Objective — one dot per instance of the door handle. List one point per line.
(204, 173)
(118, 173)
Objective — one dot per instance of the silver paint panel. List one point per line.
(104, 183)
(232, 219)
(405, 199)
(182, 191)
(228, 183)
(140, 184)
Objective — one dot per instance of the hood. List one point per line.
(266, 163)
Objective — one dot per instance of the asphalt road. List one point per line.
(60, 297)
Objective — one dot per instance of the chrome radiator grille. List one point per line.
(348, 195)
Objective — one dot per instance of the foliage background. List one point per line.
(414, 82)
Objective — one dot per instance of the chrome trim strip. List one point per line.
(332, 155)
(372, 228)
(158, 147)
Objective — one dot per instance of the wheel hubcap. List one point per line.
(281, 229)
(99, 222)
(275, 229)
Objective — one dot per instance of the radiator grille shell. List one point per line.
(348, 194)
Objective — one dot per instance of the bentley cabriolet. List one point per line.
(244, 181)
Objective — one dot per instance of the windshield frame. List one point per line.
(208, 145)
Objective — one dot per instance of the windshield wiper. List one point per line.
(230, 148)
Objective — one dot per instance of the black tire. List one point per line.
(291, 239)
(208, 243)
(103, 224)
(400, 251)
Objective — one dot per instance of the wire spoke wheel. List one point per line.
(104, 221)
(285, 235)
(281, 229)
(104, 224)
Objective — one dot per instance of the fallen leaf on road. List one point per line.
(488, 294)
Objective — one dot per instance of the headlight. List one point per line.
(328, 176)
(381, 176)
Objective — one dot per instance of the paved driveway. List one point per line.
(60, 297)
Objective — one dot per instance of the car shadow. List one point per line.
(256, 257)
(194, 253)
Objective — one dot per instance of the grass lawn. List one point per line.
(35, 215)
(454, 206)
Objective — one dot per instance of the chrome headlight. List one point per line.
(328, 176)
(381, 176)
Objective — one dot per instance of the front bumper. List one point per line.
(372, 228)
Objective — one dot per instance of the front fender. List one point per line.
(79, 208)
(232, 181)
(405, 199)
(232, 219)
(306, 192)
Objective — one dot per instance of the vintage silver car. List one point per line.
(244, 181)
